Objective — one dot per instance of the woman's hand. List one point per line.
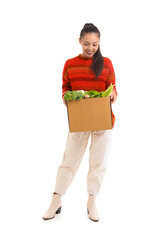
(65, 102)
(113, 96)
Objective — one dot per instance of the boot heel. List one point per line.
(59, 210)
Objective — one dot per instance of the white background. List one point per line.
(37, 37)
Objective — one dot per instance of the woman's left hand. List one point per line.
(113, 96)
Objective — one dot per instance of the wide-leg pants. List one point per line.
(73, 155)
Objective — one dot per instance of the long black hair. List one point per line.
(97, 64)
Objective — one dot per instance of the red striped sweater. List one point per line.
(77, 75)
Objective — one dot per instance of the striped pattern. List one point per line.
(77, 75)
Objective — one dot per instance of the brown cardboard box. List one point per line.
(90, 114)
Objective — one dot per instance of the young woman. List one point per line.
(89, 70)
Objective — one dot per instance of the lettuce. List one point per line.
(80, 94)
(74, 95)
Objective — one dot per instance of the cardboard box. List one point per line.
(92, 114)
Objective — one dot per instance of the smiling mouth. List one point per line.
(89, 52)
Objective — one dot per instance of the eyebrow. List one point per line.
(88, 42)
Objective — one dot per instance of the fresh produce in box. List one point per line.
(81, 94)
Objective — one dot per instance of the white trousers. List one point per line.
(73, 155)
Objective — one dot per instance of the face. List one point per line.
(89, 43)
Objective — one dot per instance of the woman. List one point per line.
(87, 71)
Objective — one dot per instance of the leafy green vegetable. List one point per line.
(77, 95)
(108, 91)
(68, 95)
(93, 94)
(74, 95)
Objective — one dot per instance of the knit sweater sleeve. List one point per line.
(111, 77)
(66, 86)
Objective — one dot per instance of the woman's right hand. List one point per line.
(65, 102)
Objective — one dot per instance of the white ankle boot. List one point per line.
(91, 208)
(55, 207)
